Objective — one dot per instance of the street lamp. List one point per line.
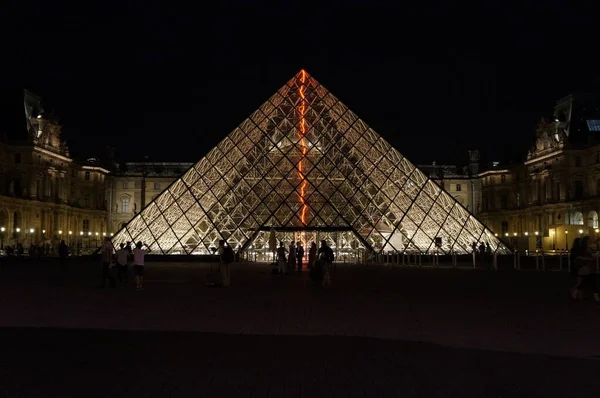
(526, 233)
(567, 240)
(2, 229)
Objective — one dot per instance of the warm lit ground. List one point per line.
(378, 332)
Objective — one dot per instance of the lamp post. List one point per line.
(596, 231)
(31, 231)
(536, 240)
(567, 240)
(2, 229)
(17, 230)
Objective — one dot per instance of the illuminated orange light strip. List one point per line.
(301, 134)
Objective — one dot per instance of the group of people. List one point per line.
(583, 268)
(318, 261)
(121, 259)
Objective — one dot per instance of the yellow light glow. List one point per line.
(526, 233)
(536, 233)
(515, 234)
(581, 231)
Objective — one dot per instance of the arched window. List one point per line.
(577, 218)
(87, 176)
(86, 226)
(593, 219)
(16, 221)
(504, 227)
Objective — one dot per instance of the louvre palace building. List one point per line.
(301, 167)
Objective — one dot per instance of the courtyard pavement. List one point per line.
(379, 331)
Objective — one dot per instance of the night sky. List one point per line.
(168, 81)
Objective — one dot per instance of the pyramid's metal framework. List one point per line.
(303, 162)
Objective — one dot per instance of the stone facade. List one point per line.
(46, 196)
(462, 183)
(135, 184)
(554, 196)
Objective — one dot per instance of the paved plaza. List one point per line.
(379, 331)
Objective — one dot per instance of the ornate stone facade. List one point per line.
(554, 196)
(45, 196)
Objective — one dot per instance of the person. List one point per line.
(312, 254)
(281, 260)
(122, 260)
(326, 258)
(138, 264)
(292, 256)
(107, 258)
(226, 257)
(299, 255)
(586, 272)
(63, 253)
(574, 262)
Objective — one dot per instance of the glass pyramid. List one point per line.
(304, 164)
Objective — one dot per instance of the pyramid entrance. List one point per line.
(303, 163)
(346, 244)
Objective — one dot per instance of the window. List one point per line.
(86, 199)
(86, 226)
(558, 191)
(503, 178)
(16, 221)
(458, 187)
(17, 158)
(593, 125)
(518, 199)
(138, 185)
(577, 161)
(87, 176)
(503, 201)
(125, 205)
(157, 186)
(125, 185)
(578, 189)
(504, 227)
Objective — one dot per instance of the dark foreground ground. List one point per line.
(378, 332)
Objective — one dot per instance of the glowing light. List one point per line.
(303, 147)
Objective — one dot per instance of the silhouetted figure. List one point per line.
(325, 259)
(312, 254)
(586, 272)
(107, 258)
(299, 256)
(63, 254)
(139, 255)
(226, 257)
(122, 261)
(281, 259)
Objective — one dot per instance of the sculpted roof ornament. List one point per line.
(549, 138)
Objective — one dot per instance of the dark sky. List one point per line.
(168, 80)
